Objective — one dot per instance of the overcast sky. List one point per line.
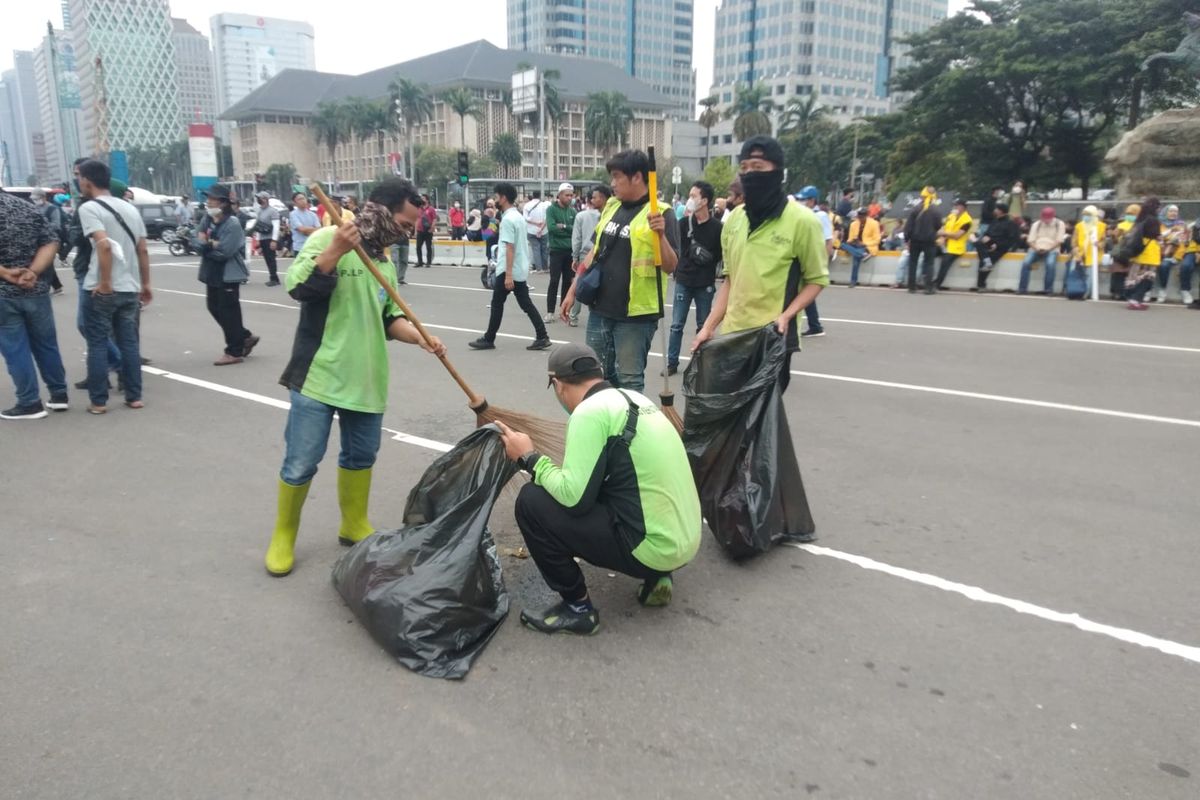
(354, 38)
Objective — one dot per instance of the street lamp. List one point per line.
(151, 171)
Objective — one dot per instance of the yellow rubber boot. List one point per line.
(354, 489)
(281, 552)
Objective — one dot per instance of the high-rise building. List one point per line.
(58, 105)
(22, 131)
(250, 50)
(650, 39)
(194, 71)
(843, 51)
(139, 93)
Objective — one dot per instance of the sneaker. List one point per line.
(1187, 299)
(656, 593)
(273, 282)
(574, 323)
(1161, 297)
(800, 538)
(250, 343)
(811, 333)
(34, 411)
(867, 258)
(852, 284)
(227, 359)
(543, 343)
(58, 290)
(561, 619)
(669, 371)
(549, 318)
(58, 402)
(481, 344)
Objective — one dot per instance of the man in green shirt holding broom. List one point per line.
(339, 362)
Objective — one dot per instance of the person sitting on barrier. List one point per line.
(624, 498)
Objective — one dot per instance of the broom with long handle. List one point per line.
(548, 437)
(666, 398)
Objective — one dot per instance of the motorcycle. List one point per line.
(179, 240)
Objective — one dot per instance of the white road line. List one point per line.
(909, 387)
(979, 595)
(974, 593)
(1017, 335)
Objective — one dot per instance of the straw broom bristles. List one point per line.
(666, 398)
(548, 437)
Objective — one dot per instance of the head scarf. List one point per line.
(378, 228)
(928, 197)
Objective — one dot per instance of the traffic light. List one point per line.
(464, 172)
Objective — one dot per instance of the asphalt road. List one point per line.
(997, 484)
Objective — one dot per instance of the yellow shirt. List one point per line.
(869, 235)
(326, 222)
(955, 223)
(1082, 243)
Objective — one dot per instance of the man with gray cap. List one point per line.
(623, 499)
(266, 232)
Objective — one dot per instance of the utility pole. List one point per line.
(854, 158)
(542, 126)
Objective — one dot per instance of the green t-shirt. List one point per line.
(559, 222)
(340, 352)
(757, 265)
(647, 485)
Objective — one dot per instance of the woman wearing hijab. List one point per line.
(1176, 236)
(1141, 250)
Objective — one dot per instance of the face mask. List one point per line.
(1130, 218)
(763, 192)
(1017, 190)
(1089, 218)
(690, 205)
(215, 213)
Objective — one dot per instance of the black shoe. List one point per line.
(273, 282)
(250, 343)
(670, 371)
(83, 384)
(931, 291)
(912, 291)
(810, 333)
(481, 344)
(1195, 306)
(561, 619)
(59, 402)
(540, 344)
(146, 361)
(800, 538)
(35, 411)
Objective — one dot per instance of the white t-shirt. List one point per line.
(826, 224)
(535, 218)
(92, 218)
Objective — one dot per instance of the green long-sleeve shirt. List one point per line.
(559, 222)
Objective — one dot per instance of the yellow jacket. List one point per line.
(955, 223)
(1081, 242)
(870, 234)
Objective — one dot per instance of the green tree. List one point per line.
(365, 119)
(719, 172)
(751, 111)
(506, 151)
(435, 167)
(817, 153)
(800, 113)
(462, 101)
(415, 105)
(708, 118)
(280, 178)
(331, 126)
(606, 121)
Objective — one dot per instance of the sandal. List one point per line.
(97, 410)
(134, 404)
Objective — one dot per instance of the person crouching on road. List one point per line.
(221, 243)
(339, 362)
(623, 499)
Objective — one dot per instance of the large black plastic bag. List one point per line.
(432, 593)
(739, 445)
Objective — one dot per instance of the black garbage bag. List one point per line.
(432, 592)
(739, 445)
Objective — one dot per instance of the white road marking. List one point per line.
(979, 595)
(909, 387)
(974, 593)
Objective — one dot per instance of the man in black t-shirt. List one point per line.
(696, 275)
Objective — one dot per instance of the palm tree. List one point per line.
(607, 120)
(506, 151)
(364, 120)
(462, 101)
(415, 104)
(751, 111)
(708, 118)
(799, 115)
(330, 124)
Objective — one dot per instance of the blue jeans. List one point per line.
(539, 252)
(623, 346)
(856, 256)
(109, 317)
(27, 336)
(684, 295)
(1049, 260)
(307, 435)
(813, 317)
(400, 259)
(114, 355)
(1187, 268)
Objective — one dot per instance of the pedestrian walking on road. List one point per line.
(302, 220)
(457, 222)
(512, 273)
(339, 364)
(560, 222)
(583, 238)
(1140, 250)
(222, 246)
(696, 274)
(58, 229)
(266, 233)
(118, 279)
(425, 229)
(28, 340)
(535, 227)
(808, 196)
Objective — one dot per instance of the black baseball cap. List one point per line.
(569, 360)
(764, 147)
(218, 190)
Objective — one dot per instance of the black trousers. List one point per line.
(948, 260)
(1116, 285)
(915, 251)
(555, 537)
(425, 239)
(224, 303)
(988, 261)
(560, 269)
(500, 297)
(269, 256)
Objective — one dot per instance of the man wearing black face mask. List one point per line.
(776, 262)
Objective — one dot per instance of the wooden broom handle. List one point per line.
(331, 209)
(653, 187)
